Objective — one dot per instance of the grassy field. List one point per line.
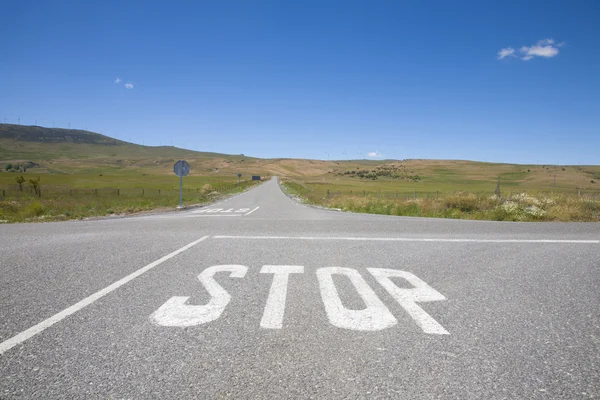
(532, 205)
(59, 202)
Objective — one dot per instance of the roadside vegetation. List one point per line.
(34, 202)
(531, 206)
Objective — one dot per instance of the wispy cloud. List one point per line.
(503, 53)
(546, 48)
(374, 154)
(118, 80)
(129, 85)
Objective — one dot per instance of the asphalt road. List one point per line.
(258, 296)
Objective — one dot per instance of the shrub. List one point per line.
(35, 209)
(465, 202)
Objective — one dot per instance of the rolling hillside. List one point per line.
(69, 151)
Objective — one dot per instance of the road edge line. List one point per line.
(40, 327)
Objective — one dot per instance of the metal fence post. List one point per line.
(118, 192)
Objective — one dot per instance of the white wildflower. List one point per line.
(535, 211)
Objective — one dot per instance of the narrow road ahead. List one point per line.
(258, 296)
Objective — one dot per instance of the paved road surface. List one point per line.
(260, 297)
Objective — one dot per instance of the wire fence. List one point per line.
(407, 195)
(14, 192)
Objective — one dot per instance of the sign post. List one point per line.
(181, 169)
(239, 177)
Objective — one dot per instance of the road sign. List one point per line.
(181, 168)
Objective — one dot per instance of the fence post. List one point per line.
(159, 192)
(118, 192)
(437, 194)
(96, 192)
(3, 194)
(327, 192)
(40, 193)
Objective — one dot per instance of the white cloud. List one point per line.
(540, 51)
(129, 85)
(543, 48)
(118, 80)
(374, 154)
(509, 51)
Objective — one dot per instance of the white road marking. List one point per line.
(34, 330)
(374, 317)
(218, 215)
(393, 239)
(220, 212)
(257, 207)
(176, 313)
(275, 307)
(407, 298)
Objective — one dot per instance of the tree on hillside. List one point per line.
(19, 179)
(8, 166)
(35, 184)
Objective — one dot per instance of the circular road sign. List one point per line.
(181, 168)
(239, 175)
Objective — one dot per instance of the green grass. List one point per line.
(64, 203)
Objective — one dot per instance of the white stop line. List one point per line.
(374, 317)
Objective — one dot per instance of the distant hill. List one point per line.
(54, 135)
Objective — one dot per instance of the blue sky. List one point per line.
(481, 80)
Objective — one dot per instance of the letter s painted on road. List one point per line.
(176, 313)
